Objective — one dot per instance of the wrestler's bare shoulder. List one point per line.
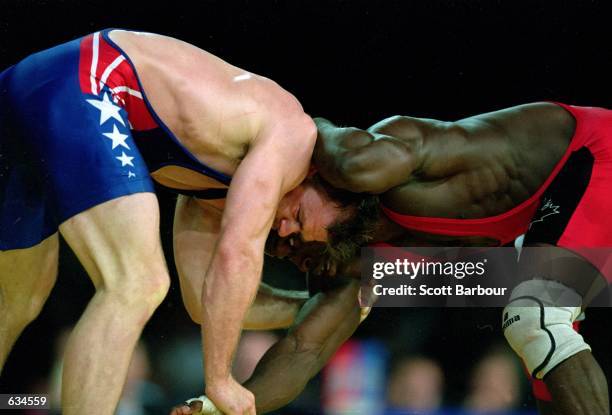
(207, 103)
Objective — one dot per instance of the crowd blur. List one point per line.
(362, 378)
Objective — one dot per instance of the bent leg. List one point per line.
(538, 325)
(26, 279)
(578, 386)
(118, 244)
(196, 229)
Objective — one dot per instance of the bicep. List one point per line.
(274, 164)
(384, 163)
(362, 161)
(251, 201)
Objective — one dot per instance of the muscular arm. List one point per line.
(486, 148)
(324, 323)
(363, 161)
(277, 161)
(196, 227)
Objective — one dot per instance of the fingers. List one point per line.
(206, 406)
(194, 408)
(181, 410)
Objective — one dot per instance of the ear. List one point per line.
(311, 171)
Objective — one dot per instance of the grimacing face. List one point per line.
(299, 231)
(323, 226)
(305, 213)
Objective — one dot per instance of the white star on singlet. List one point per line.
(130, 175)
(107, 109)
(125, 160)
(117, 137)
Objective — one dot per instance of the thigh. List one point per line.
(68, 149)
(196, 228)
(563, 265)
(27, 275)
(118, 241)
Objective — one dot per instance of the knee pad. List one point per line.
(537, 324)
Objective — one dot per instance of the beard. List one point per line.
(348, 236)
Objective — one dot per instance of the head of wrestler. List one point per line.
(316, 222)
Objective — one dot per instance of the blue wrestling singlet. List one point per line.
(76, 130)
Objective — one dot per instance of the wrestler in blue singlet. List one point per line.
(76, 130)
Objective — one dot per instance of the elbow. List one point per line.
(237, 259)
(310, 353)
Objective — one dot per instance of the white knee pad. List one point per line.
(538, 324)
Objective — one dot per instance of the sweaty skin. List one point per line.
(243, 125)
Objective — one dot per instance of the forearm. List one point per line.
(282, 374)
(324, 323)
(229, 288)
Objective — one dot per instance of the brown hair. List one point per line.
(348, 235)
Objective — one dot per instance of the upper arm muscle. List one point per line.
(384, 163)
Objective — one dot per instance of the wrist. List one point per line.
(217, 382)
(215, 386)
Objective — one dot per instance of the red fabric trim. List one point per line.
(504, 227)
(122, 77)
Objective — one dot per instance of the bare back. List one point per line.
(479, 166)
(213, 108)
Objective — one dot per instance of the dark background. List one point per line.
(354, 62)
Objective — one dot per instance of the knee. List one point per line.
(156, 288)
(139, 292)
(541, 334)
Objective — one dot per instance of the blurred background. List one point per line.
(354, 62)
